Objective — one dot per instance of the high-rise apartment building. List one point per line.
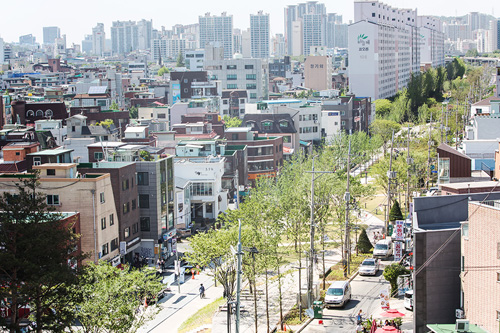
(27, 40)
(259, 35)
(50, 34)
(168, 48)
(145, 34)
(336, 31)
(98, 39)
(2, 54)
(124, 37)
(494, 35)
(431, 41)
(383, 49)
(219, 29)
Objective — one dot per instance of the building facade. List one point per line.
(431, 41)
(259, 35)
(217, 29)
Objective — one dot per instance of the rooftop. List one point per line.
(238, 129)
(51, 152)
(106, 144)
(472, 185)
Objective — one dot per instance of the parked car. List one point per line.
(338, 294)
(383, 249)
(369, 267)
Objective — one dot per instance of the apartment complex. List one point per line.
(431, 41)
(242, 73)
(383, 49)
(128, 36)
(259, 35)
(217, 30)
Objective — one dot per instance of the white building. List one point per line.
(431, 41)
(259, 35)
(383, 49)
(217, 29)
(55, 126)
(98, 39)
(195, 60)
(2, 55)
(242, 73)
(50, 34)
(208, 198)
(330, 124)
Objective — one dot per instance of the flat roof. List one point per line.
(238, 129)
(135, 129)
(55, 166)
(450, 328)
(282, 101)
(107, 144)
(466, 185)
(51, 152)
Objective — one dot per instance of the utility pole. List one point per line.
(347, 198)
(311, 221)
(238, 281)
(456, 129)
(389, 178)
(409, 161)
(429, 155)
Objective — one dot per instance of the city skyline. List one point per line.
(12, 26)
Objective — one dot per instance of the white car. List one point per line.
(369, 267)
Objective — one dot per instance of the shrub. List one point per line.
(364, 244)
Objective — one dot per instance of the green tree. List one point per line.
(164, 70)
(133, 112)
(180, 60)
(416, 93)
(391, 274)
(395, 213)
(114, 106)
(111, 298)
(364, 244)
(231, 121)
(440, 79)
(36, 248)
(472, 53)
(382, 108)
(105, 123)
(384, 128)
(429, 82)
(146, 156)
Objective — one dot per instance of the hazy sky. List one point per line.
(76, 18)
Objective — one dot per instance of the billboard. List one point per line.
(176, 92)
(180, 208)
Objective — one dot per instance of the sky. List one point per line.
(76, 18)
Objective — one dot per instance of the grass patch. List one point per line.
(337, 272)
(293, 318)
(202, 317)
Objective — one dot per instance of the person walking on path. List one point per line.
(202, 291)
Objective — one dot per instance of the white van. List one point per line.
(338, 294)
(383, 249)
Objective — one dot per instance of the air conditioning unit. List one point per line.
(462, 325)
(459, 314)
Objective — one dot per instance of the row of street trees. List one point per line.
(275, 218)
(41, 270)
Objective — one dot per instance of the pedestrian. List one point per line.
(359, 317)
(386, 323)
(202, 291)
(162, 264)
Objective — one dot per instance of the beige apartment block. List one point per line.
(481, 265)
(92, 197)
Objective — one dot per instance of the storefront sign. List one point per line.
(384, 299)
(398, 251)
(123, 248)
(398, 234)
(170, 234)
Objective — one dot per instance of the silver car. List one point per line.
(369, 267)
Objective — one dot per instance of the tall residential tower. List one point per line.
(259, 35)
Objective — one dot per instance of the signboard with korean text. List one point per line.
(399, 233)
(398, 251)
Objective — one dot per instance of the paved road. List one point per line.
(365, 296)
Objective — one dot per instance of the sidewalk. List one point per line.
(178, 307)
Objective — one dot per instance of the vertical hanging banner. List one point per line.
(384, 299)
(399, 233)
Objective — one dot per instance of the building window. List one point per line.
(498, 276)
(53, 200)
(126, 208)
(101, 197)
(111, 219)
(231, 77)
(234, 136)
(248, 66)
(284, 123)
(135, 228)
(134, 204)
(498, 250)
(231, 67)
(51, 172)
(224, 101)
(251, 76)
(143, 200)
(251, 86)
(267, 125)
(98, 155)
(105, 249)
(103, 223)
(232, 86)
(253, 95)
(125, 184)
(37, 160)
(209, 209)
(286, 139)
(142, 178)
(202, 189)
(126, 232)
(145, 222)
(465, 230)
(114, 244)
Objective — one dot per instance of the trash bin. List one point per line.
(318, 309)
